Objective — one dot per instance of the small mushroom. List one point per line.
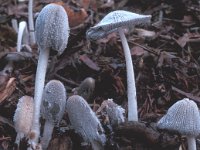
(114, 111)
(22, 35)
(52, 108)
(184, 118)
(23, 117)
(116, 21)
(86, 88)
(85, 122)
(52, 31)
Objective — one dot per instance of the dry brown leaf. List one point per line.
(75, 16)
(137, 51)
(9, 89)
(86, 60)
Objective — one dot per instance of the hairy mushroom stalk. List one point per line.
(85, 122)
(116, 21)
(184, 118)
(52, 31)
(52, 108)
(23, 117)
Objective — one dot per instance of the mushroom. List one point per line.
(114, 111)
(52, 31)
(116, 21)
(184, 118)
(85, 122)
(86, 88)
(52, 108)
(22, 35)
(30, 22)
(23, 117)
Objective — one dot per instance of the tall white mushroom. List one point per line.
(116, 21)
(23, 117)
(52, 32)
(184, 118)
(31, 22)
(85, 122)
(52, 108)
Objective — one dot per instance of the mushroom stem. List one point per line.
(30, 22)
(47, 133)
(39, 86)
(22, 31)
(96, 145)
(132, 101)
(191, 143)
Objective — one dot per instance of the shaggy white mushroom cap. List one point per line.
(114, 20)
(52, 28)
(23, 115)
(183, 117)
(84, 120)
(53, 101)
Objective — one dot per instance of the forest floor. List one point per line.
(166, 59)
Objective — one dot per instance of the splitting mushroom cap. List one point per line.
(114, 20)
(23, 115)
(84, 120)
(114, 111)
(86, 88)
(183, 117)
(52, 28)
(53, 101)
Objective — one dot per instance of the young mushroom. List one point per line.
(116, 21)
(86, 88)
(52, 32)
(114, 111)
(85, 122)
(23, 117)
(184, 118)
(52, 108)
(22, 35)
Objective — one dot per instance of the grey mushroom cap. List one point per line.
(52, 28)
(183, 117)
(86, 88)
(53, 101)
(84, 120)
(114, 20)
(114, 111)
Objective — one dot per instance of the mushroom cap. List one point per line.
(84, 120)
(183, 117)
(52, 28)
(53, 101)
(114, 111)
(114, 20)
(86, 88)
(23, 115)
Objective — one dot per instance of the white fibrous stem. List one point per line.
(21, 32)
(20, 135)
(39, 86)
(30, 22)
(191, 143)
(47, 134)
(131, 89)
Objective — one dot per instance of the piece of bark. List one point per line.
(146, 134)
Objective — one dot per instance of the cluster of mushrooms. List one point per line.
(50, 101)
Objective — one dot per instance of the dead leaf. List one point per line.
(137, 51)
(9, 89)
(86, 60)
(75, 16)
